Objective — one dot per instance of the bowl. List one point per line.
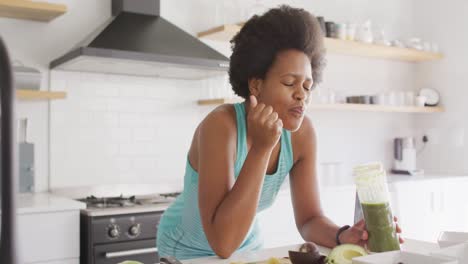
(358, 99)
(447, 239)
(395, 257)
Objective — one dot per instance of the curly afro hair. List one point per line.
(256, 46)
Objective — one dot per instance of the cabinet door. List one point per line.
(62, 261)
(417, 204)
(454, 209)
(45, 237)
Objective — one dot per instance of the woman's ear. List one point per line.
(255, 86)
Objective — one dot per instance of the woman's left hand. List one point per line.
(357, 234)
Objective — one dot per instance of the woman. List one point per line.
(240, 154)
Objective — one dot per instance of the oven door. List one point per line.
(144, 251)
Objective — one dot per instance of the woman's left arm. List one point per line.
(310, 220)
(312, 224)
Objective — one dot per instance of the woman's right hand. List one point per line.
(264, 125)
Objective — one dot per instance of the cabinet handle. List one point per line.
(442, 198)
(432, 202)
(130, 252)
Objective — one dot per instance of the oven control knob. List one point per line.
(113, 231)
(134, 230)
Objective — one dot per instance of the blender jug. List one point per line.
(374, 197)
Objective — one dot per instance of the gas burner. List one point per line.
(109, 202)
(170, 195)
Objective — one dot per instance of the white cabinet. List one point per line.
(48, 229)
(49, 237)
(418, 209)
(426, 208)
(64, 261)
(454, 205)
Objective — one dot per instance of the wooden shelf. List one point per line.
(218, 101)
(31, 10)
(24, 94)
(355, 48)
(338, 46)
(377, 108)
(342, 107)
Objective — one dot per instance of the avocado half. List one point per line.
(343, 254)
(308, 254)
(130, 262)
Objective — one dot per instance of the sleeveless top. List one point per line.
(180, 232)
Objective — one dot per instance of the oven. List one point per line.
(144, 251)
(112, 239)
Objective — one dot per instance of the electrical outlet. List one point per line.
(425, 139)
(433, 135)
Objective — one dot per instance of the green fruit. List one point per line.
(343, 254)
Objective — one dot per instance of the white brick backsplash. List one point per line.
(130, 120)
(114, 104)
(133, 91)
(93, 104)
(143, 133)
(84, 119)
(106, 119)
(107, 91)
(119, 134)
(122, 163)
(111, 149)
(144, 163)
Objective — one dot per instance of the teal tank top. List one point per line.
(180, 231)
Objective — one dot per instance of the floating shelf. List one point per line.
(355, 48)
(31, 10)
(220, 101)
(338, 46)
(23, 94)
(342, 107)
(377, 108)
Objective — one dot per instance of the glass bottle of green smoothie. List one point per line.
(373, 194)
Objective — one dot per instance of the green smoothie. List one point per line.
(380, 226)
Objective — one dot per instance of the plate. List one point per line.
(459, 252)
(395, 257)
(447, 239)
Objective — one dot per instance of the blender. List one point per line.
(372, 189)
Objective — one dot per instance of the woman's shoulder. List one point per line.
(222, 117)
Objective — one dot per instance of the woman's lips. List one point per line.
(297, 111)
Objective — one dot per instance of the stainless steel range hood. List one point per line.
(138, 41)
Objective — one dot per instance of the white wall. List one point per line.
(445, 22)
(97, 135)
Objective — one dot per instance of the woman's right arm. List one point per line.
(228, 207)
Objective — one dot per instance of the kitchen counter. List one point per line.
(45, 202)
(397, 178)
(410, 245)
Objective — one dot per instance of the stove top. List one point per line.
(127, 204)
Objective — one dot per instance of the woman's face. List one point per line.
(286, 87)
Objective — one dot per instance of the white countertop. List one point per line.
(397, 178)
(45, 202)
(280, 252)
